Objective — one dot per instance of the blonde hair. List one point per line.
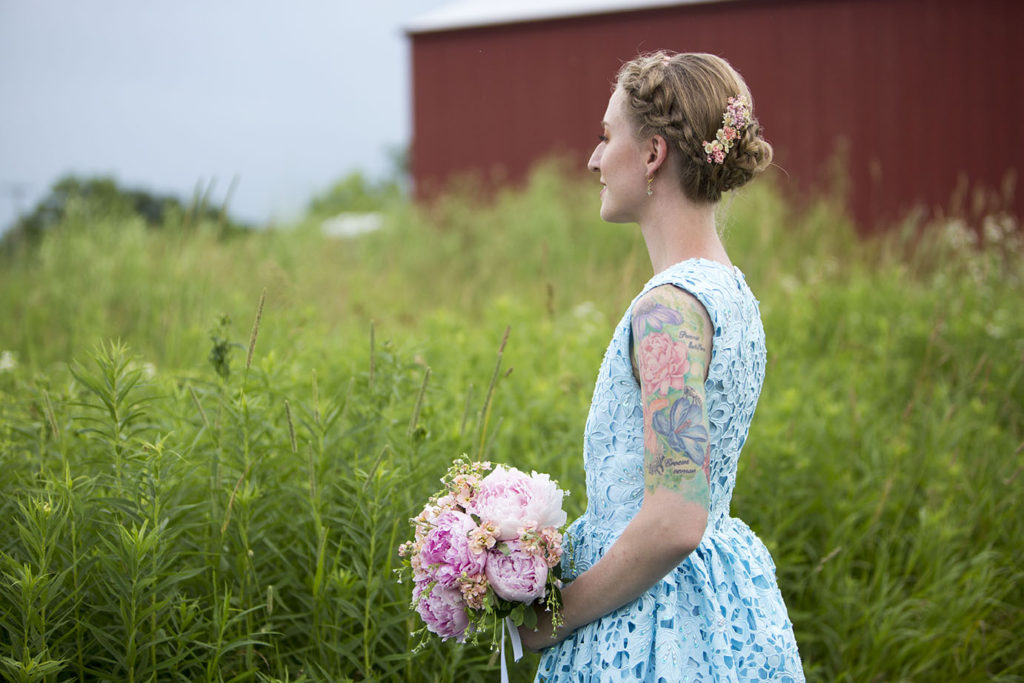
(682, 97)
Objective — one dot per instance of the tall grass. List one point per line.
(218, 496)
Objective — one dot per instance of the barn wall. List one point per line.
(925, 93)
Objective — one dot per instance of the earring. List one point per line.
(650, 190)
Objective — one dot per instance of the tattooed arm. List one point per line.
(671, 350)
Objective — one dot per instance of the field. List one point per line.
(210, 445)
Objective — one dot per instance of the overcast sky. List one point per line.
(288, 96)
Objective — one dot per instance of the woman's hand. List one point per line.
(541, 637)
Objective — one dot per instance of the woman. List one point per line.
(662, 584)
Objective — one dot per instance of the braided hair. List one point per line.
(682, 97)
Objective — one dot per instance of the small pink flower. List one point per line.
(474, 590)
(528, 526)
(464, 487)
(484, 537)
(419, 573)
(552, 544)
(734, 120)
(424, 522)
(530, 540)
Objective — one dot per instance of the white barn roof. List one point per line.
(471, 13)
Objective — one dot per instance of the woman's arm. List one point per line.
(672, 349)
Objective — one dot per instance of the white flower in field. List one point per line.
(585, 310)
(591, 320)
(7, 361)
(147, 369)
(958, 235)
(998, 228)
(352, 224)
(789, 284)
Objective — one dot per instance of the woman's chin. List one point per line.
(609, 215)
(608, 212)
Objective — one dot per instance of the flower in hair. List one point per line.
(734, 121)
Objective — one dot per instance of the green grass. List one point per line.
(167, 521)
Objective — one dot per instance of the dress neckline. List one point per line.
(734, 269)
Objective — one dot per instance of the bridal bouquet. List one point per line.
(485, 549)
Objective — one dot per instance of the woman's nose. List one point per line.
(595, 160)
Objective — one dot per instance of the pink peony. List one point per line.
(447, 544)
(515, 500)
(518, 576)
(443, 610)
(663, 363)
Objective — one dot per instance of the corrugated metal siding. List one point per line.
(923, 92)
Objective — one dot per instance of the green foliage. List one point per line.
(78, 203)
(355, 193)
(177, 511)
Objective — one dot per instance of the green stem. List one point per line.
(485, 411)
(368, 603)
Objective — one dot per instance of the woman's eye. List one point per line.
(602, 138)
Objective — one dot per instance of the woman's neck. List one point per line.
(676, 229)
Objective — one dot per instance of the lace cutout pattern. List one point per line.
(719, 615)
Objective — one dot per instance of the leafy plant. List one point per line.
(170, 521)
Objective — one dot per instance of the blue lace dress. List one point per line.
(719, 615)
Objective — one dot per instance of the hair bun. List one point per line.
(749, 156)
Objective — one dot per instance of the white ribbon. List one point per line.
(517, 647)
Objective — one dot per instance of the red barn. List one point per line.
(921, 97)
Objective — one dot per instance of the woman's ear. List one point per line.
(657, 153)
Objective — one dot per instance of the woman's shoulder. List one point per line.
(665, 303)
(712, 283)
